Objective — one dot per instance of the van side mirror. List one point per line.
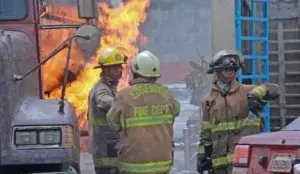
(87, 9)
(89, 40)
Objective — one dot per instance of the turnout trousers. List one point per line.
(225, 170)
(107, 170)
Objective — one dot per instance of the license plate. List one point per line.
(281, 163)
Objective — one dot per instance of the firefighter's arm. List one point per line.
(176, 107)
(259, 95)
(103, 99)
(114, 114)
(205, 145)
(205, 134)
(268, 92)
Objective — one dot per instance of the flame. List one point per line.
(119, 27)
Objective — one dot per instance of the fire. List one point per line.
(119, 27)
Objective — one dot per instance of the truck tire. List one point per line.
(75, 168)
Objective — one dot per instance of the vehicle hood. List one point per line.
(273, 138)
(44, 112)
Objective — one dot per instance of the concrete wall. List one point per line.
(284, 9)
(223, 25)
(177, 28)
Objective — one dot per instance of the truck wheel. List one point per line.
(75, 168)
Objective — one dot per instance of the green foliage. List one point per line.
(195, 80)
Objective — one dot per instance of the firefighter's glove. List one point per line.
(203, 164)
(255, 104)
(208, 148)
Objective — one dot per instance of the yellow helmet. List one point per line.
(111, 56)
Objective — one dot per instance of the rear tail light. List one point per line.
(241, 155)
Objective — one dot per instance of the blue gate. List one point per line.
(257, 17)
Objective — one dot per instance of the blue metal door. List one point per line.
(247, 39)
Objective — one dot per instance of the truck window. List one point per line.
(293, 126)
(13, 9)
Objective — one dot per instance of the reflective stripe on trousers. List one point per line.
(152, 167)
(200, 149)
(231, 125)
(102, 161)
(123, 172)
(222, 161)
(106, 162)
(97, 121)
(147, 120)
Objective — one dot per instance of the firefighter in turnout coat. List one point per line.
(102, 139)
(226, 116)
(144, 115)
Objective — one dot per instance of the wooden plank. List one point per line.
(282, 100)
(292, 84)
(286, 30)
(288, 117)
(287, 106)
(284, 51)
(292, 30)
(298, 5)
(285, 41)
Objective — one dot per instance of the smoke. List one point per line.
(117, 3)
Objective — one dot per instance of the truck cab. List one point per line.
(37, 135)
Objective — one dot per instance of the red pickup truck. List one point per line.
(268, 153)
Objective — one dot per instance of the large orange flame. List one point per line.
(119, 26)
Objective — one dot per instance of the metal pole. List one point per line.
(193, 134)
(187, 149)
(193, 149)
(59, 26)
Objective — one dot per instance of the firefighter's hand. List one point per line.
(203, 164)
(255, 104)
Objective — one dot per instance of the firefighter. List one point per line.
(144, 114)
(102, 139)
(226, 115)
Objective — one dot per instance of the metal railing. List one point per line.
(189, 147)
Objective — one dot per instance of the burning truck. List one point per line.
(119, 23)
(39, 135)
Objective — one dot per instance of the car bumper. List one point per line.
(40, 156)
(239, 170)
(57, 173)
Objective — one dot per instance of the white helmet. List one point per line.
(146, 64)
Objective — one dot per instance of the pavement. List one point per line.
(86, 163)
(87, 167)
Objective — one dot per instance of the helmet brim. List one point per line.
(210, 71)
(101, 66)
(97, 67)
